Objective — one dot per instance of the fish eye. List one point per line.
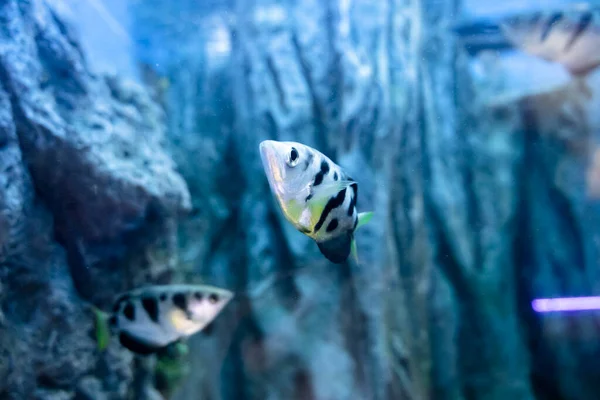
(213, 298)
(293, 157)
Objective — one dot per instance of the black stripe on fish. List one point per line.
(335, 176)
(132, 344)
(582, 24)
(333, 203)
(308, 161)
(151, 306)
(353, 200)
(332, 225)
(321, 174)
(551, 21)
(180, 301)
(129, 311)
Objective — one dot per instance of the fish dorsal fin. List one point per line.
(364, 218)
(336, 249)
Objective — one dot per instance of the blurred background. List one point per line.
(129, 135)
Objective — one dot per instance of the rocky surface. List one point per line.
(480, 207)
(89, 203)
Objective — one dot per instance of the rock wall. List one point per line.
(89, 203)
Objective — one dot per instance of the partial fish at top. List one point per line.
(570, 38)
(315, 195)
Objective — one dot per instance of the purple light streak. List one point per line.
(566, 304)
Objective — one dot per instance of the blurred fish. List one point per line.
(570, 37)
(315, 195)
(150, 318)
(565, 40)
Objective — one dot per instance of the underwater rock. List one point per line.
(45, 327)
(89, 201)
(93, 146)
(90, 388)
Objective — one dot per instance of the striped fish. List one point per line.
(315, 195)
(570, 38)
(148, 319)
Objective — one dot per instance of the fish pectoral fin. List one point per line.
(102, 329)
(364, 218)
(336, 249)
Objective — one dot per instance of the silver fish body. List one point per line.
(148, 319)
(314, 194)
(570, 37)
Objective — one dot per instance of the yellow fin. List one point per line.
(102, 330)
(364, 218)
(354, 251)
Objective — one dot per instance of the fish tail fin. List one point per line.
(364, 218)
(102, 329)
